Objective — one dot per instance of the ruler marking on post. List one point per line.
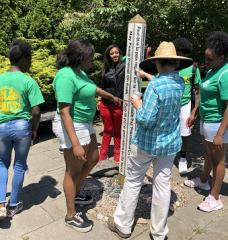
(135, 54)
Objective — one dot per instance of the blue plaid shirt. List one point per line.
(158, 126)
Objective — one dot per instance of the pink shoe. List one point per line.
(210, 204)
(196, 183)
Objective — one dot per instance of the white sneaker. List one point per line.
(210, 204)
(3, 213)
(196, 183)
(182, 166)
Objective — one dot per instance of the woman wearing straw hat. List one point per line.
(157, 140)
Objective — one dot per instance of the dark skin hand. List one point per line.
(192, 118)
(100, 92)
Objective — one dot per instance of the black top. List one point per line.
(113, 81)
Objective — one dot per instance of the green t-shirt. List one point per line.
(18, 94)
(186, 74)
(213, 93)
(77, 90)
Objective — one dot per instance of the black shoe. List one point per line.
(151, 237)
(83, 199)
(112, 226)
(61, 150)
(78, 223)
(11, 211)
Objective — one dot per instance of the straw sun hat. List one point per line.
(166, 50)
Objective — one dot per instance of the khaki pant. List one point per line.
(137, 166)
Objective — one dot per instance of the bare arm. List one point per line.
(218, 139)
(78, 150)
(100, 92)
(35, 121)
(194, 113)
(197, 98)
(143, 74)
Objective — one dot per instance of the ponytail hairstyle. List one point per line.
(107, 60)
(19, 49)
(75, 53)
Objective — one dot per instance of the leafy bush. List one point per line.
(43, 64)
(4, 64)
(102, 22)
(43, 67)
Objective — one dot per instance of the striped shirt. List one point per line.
(158, 126)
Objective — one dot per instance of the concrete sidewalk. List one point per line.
(43, 215)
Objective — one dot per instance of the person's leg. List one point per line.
(217, 157)
(72, 173)
(137, 166)
(161, 196)
(212, 202)
(21, 147)
(92, 159)
(105, 113)
(74, 166)
(207, 167)
(185, 133)
(73, 219)
(202, 181)
(117, 122)
(218, 160)
(185, 146)
(21, 132)
(183, 163)
(5, 159)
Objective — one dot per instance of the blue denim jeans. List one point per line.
(15, 135)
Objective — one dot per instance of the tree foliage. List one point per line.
(101, 24)
(51, 24)
(104, 22)
(168, 19)
(29, 19)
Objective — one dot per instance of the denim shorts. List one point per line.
(209, 130)
(82, 130)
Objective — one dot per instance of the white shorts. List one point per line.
(82, 130)
(209, 130)
(184, 115)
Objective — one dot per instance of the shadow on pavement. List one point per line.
(6, 223)
(224, 189)
(196, 173)
(37, 193)
(143, 209)
(144, 202)
(107, 172)
(92, 186)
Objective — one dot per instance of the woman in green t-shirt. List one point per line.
(214, 120)
(20, 98)
(75, 95)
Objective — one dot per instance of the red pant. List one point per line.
(112, 118)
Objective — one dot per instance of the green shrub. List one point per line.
(4, 64)
(43, 67)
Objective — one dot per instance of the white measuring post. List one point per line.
(134, 55)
